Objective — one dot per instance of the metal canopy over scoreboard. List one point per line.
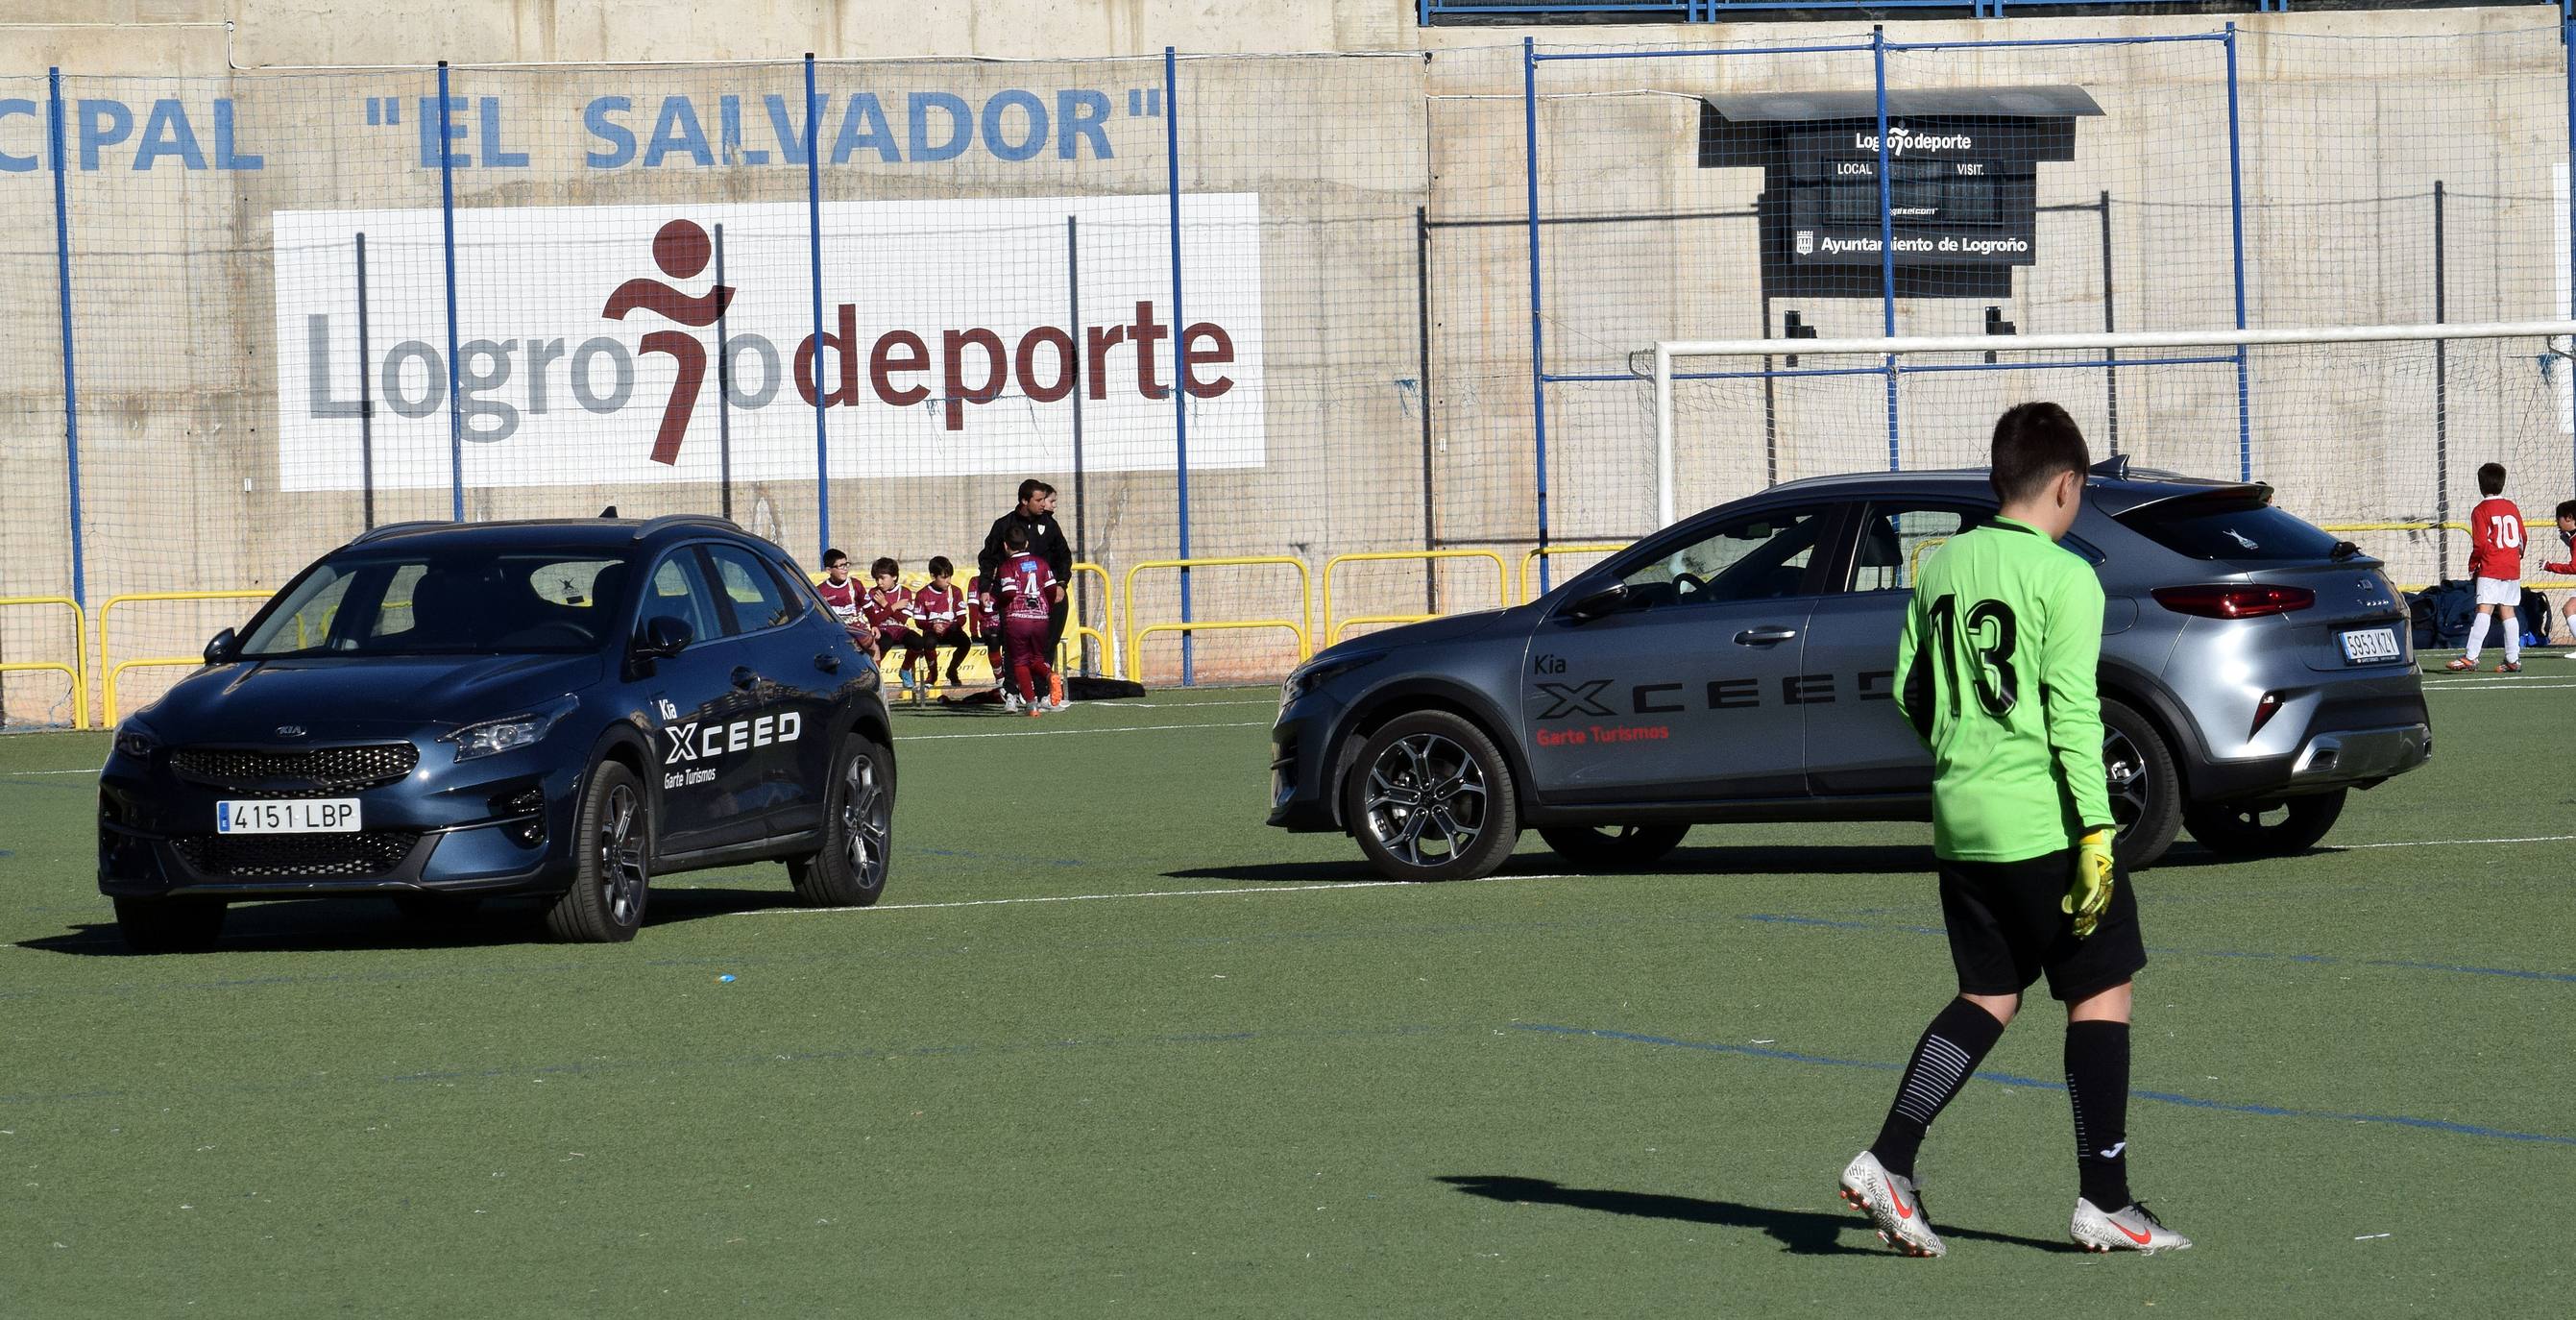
(1962, 187)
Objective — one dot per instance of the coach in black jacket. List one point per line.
(1036, 512)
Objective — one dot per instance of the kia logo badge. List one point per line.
(290, 731)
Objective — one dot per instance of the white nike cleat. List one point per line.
(1893, 1205)
(2133, 1229)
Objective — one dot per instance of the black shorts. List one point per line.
(2006, 929)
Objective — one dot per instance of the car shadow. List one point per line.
(1799, 1232)
(1719, 859)
(365, 925)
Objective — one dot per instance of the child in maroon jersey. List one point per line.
(889, 610)
(841, 593)
(984, 610)
(938, 619)
(1029, 593)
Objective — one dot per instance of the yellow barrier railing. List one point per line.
(1107, 633)
(1545, 551)
(2543, 584)
(1343, 629)
(77, 671)
(107, 689)
(1136, 635)
(1502, 582)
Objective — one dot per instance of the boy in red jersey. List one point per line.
(2566, 537)
(984, 611)
(1029, 593)
(841, 593)
(2495, 532)
(889, 610)
(938, 619)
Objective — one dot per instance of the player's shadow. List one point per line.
(1799, 1232)
(364, 925)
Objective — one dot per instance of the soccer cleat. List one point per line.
(1055, 690)
(2509, 667)
(2133, 1229)
(1894, 1206)
(2461, 664)
(1011, 702)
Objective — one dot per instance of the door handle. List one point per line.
(744, 678)
(1765, 635)
(828, 663)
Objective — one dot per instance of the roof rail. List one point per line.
(390, 529)
(653, 525)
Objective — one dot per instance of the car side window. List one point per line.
(754, 592)
(1897, 539)
(678, 589)
(1757, 557)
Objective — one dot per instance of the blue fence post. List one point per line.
(814, 262)
(2236, 218)
(1886, 242)
(63, 287)
(1180, 379)
(1538, 355)
(447, 237)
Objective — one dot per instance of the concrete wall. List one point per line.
(2347, 121)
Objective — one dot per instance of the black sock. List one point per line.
(2097, 1082)
(1943, 1061)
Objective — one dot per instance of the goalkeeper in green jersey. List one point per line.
(1996, 672)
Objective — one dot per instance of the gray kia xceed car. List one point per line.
(1740, 666)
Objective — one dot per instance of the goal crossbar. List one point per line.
(1667, 350)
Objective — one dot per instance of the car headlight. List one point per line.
(132, 739)
(492, 737)
(1315, 673)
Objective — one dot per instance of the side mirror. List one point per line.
(219, 649)
(665, 636)
(1598, 603)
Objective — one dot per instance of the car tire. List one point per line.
(429, 909)
(1612, 847)
(612, 861)
(858, 830)
(170, 925)
(2146, 789)
(1468, 797)
(2238, 829)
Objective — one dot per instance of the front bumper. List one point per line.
(498, 825)
(1301, 777)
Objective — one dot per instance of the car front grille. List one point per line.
(355, 856)
(300, 771)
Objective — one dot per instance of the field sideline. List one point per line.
(1140, 1054)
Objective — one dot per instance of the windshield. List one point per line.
(2234, 525)
(453, 602)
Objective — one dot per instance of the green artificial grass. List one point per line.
(1021, 1085)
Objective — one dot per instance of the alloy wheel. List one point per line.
(1425, 788)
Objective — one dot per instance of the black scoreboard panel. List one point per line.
(1962, 186)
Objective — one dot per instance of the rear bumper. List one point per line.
(2324, 762)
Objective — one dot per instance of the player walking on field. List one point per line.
(2495, 532)
(1995, 669)
(1029, 592)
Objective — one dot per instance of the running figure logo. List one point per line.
(681, 249)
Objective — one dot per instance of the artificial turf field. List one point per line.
(1135, 1053)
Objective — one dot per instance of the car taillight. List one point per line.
(2234, 600)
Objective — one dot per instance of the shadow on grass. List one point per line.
(368, 924)
(1800, 1232)
(1720, 859)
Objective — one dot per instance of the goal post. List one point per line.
(2361, 424)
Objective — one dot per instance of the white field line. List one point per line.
(1157, 893)
(2506, 685)
(902, 739)
(2451, 843)
(13, 774)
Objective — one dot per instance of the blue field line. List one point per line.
(2037, 1083)
(2257, 955)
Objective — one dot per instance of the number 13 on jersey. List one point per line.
(1996, 685)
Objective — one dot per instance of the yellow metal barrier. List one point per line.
(1137, 635)
(1107, 633)
(77, 670)
(1542, 552)
(107, 704)
(1343, 628)
(1502, 582)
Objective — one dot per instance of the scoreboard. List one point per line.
(1962, 182)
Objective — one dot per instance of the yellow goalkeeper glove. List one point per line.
(2090, 896)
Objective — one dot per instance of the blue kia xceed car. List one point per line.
(440, 713)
